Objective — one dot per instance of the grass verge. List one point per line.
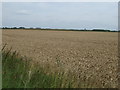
(20, 72)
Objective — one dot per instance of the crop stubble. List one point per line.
(91, 57)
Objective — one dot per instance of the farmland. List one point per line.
(88, 57)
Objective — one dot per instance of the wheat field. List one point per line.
(89, 57)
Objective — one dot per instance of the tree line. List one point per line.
(103, 30)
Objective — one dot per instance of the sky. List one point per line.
(68, 15)
(60, 0)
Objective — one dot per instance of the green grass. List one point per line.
(20, 72)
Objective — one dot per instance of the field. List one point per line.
(87, 57)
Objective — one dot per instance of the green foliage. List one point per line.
(19, 72)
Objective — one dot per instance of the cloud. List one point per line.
(23, 12)
(61, 15)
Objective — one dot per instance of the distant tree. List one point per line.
(85, 29)
(37, 28)
(100, 30)
(5, 28)
(21, 27)
(14, 28)
(31, 28)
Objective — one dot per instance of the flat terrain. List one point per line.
(89, 56)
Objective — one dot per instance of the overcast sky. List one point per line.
(77, 15)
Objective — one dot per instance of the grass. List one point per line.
(21, 72)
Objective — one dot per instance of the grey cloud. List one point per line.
(23, 12)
